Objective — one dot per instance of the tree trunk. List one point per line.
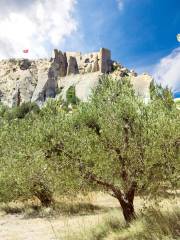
(128, 209)
(45, 198)
(126, 202)
(43, 193)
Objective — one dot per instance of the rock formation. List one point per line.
(23, 80)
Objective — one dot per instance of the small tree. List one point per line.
(23, 171)
(31, 155)
(124, 146)
(158, 93)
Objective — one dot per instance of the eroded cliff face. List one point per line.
(19, 79)
(23, 80)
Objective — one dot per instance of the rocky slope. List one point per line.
(23, 80)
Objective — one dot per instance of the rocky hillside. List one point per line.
(24, 80)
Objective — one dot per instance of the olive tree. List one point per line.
(123, 145)
(27, 166)
(30, 159)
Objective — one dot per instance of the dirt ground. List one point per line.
(17, 227)
(14, 227)
(21, 227)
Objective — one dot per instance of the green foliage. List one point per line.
(29, 156)
(71, 96)
(3, 110)
(115, 143)
(120, 139)
(18, 112)
(158, 93)
(124, 146)
(25, 108)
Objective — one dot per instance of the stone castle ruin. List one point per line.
(78, 63)
(24, 80)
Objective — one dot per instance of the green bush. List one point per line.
(25, 108)
(71, 96)
(3, 110)
(21, 111)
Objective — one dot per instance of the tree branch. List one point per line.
(109, 186)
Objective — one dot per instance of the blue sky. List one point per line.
(140, 33)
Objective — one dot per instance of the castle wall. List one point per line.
(105, 60)
(76, 62)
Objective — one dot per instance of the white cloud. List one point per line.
(120, 4)
(167, 71)
(38, 25)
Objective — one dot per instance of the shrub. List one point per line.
(25, 108)
(71, 96)
(21, 111)
(3, 110)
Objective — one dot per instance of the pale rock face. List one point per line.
(95, 64)
(17, 85)
(105, 60)
(61, 60)
(119, 71)
(84, 84)
(92, 62)
(72, 66)
(141, 84)
(133, 73)
(23, 80)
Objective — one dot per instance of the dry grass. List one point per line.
(33, 222)
(94, 217)
(92, 203)
(154, 222)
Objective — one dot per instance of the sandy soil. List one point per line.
(16, 227)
